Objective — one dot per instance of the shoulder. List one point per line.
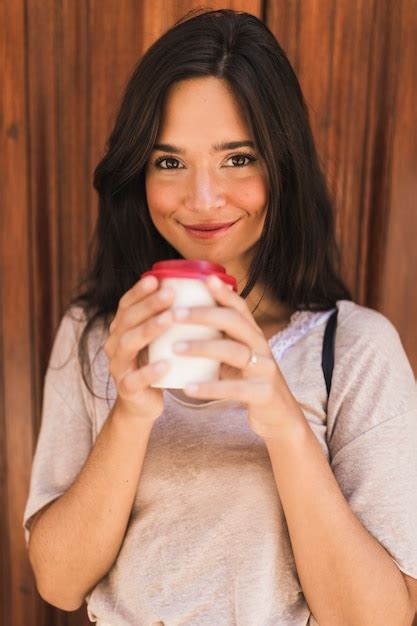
(78, 363)
(69, 332)
(371, 365)
(356, 322)
(72, 323)
(66, 336)
(366, 335)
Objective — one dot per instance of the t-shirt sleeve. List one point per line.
(372, 432)
(65, 436)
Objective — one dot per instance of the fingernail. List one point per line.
(148, 282)
(180, 346)
(164, 317)
(181, 313)
(165, 294)
(215, 282)
(160, 366)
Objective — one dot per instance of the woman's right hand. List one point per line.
(134, 326)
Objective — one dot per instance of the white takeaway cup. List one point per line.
(186, 277)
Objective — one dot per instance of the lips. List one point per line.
(207, 231)
(208, 225)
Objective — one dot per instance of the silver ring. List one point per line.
(253, 359)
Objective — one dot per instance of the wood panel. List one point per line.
(397, 287)
(64, 64)
(329, 44)
(18, 604)
(354, 60)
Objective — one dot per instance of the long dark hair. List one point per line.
(297, 257)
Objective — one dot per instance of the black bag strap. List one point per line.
(327, 357)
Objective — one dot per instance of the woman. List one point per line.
(255, 500)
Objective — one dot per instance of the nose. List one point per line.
(204, 191)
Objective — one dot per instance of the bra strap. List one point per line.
(327, 358)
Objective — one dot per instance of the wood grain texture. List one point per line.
(18, 603)
(397, 287)
(57, 188)
(64, 65)
(328, 44)
(354, 63)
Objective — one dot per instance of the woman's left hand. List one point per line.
(273, 411)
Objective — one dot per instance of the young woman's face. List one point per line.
(193, 178)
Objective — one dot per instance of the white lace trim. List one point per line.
(301, 322)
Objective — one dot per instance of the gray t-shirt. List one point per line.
(207, 541)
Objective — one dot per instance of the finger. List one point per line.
(149, 306)
(134, 340)
(141, 378)
(140, 289)
(226, 319)
(228, 297)
(226, 351)
(136, 314)
(143, 286)
(255, 392)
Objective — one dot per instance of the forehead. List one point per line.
(202, 105)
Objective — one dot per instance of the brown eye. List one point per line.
(238, 160)
(171, 163)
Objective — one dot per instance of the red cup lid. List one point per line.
(189, 268)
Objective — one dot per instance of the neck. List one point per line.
(267, 310)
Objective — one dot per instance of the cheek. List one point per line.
(251, 195)
(159, 200)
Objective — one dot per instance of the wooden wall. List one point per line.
(63, 65)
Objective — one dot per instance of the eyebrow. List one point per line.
(217, 147)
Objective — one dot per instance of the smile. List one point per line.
(208, 234)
